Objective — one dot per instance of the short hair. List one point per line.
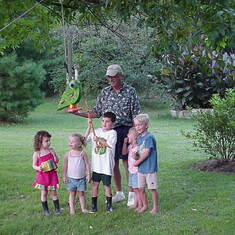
(143, 117)
(38, 139)
(81, 139)
(110, 115)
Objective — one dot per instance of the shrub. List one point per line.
(19, 87)
(214, 132)
(194, 76)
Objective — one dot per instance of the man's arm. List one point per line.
(90, 114)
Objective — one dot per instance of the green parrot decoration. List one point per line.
(71, 96)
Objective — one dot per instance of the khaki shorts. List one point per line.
(149, 179)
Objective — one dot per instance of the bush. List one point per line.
(19, 87)
(194, 76)
(214, 131)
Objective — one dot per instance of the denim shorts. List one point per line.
(133, 180)
(76, 184)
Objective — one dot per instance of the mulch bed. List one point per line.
(215, 166)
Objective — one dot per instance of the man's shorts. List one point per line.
(97, 177)
(122, 132)
(149, 179)
(76, 184)
(133, 180)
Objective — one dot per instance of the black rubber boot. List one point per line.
(109, 204)
(45, 208)
(94, 204)
(57, 207)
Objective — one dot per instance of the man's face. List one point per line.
(115, 81)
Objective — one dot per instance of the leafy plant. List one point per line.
(194, 76)
(214, 131)
(19, 87)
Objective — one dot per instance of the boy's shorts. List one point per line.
(97, 177)
(150, 179)
(76, 184)
(133, 180)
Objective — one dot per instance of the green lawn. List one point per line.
(190, 202)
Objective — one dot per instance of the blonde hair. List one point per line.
(132, 129)
(143, 118)
(80, 138)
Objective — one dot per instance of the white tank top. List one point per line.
(76, 166)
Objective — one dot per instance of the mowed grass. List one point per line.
(190, 201)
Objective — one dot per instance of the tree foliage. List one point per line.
(96, 48)
(174, 21)
(19, 87)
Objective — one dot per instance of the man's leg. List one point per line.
(118, 184)
(117, 177)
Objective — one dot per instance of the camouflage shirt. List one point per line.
(125, 104)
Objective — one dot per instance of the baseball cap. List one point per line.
(113, 69)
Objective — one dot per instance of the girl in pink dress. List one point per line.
(45, 163)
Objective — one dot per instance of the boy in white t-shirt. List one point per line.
(103, 151)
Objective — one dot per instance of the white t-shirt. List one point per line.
(103, 159)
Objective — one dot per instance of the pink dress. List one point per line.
(46, 180)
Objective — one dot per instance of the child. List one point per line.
(133, 177)
(103, 151)
(45, 163)
(76, 172)
(147, 163)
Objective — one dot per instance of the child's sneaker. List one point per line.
(131, 197)
(119, 196)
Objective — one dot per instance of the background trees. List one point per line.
(140, 35)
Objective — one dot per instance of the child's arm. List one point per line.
(125, 146)
(35, 167)
(87, 165)
(143, 156)
(88, 130)
(56, 159)
(65, 168)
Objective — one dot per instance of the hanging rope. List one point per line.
(19, 17)
(65, 45)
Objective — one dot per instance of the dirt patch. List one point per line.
(215, 166)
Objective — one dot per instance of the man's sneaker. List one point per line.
(118, 197)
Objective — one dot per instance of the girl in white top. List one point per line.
(76, 172)
(132, 151)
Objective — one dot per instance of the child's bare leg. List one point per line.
(54, 195)
(136, 199)
(95, 188)
(108, 192)
(155, 201)
(43, 195)
(72, 195)
(82, 200)
(143, 197)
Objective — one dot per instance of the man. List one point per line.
(122, 100)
